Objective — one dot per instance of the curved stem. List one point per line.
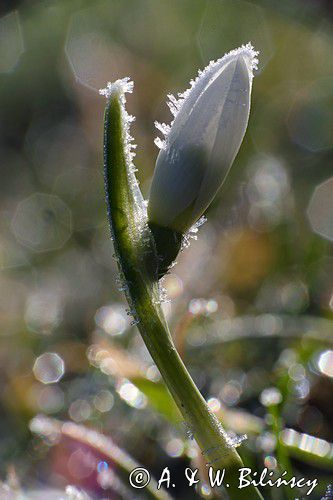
(137, 261)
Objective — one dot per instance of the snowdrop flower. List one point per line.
(200, 145)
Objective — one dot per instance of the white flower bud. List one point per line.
(202, 141)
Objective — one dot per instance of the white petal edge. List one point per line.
(176, 103)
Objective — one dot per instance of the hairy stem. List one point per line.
(136, 255)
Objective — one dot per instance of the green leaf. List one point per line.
(159, 398)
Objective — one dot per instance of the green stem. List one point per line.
(136, 257)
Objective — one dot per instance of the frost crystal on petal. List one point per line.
(175, 104)
(165, 129)
(160, 143)
(192, 233)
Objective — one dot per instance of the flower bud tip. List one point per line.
(250, 56)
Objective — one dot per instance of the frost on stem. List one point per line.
(162, 293)
(198, 85)
(120, 88)
(131, 312)
(232, 441)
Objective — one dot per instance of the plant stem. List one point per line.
(204, 425)
(136, 258)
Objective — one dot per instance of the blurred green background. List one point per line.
(251, 303)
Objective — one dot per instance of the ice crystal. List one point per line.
(204, 76)
(165, 129)
(120, 88)
(162, 295)
(188, 431)
(234, 440)
(132, 313)
(192, 233)
(121, 282)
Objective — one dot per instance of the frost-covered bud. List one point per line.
(200, 145)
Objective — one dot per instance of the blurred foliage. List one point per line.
(251, 300)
